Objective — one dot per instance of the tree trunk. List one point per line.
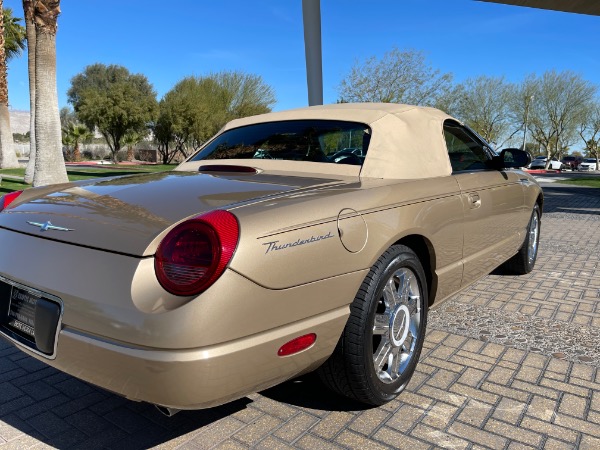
(115, 157)
(49, 159)
(130, 153)
(165, 155)
(8, 157)
(76, 152)
(116, 148)
(30, 32)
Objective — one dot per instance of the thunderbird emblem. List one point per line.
(48, 226)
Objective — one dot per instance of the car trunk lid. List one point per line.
(125, 214)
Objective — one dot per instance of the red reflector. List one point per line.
(297, 345)
(7, 199)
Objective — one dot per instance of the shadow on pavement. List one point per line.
(307, 391)
(63, 412)
(571, 199)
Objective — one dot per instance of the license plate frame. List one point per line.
(30, 318)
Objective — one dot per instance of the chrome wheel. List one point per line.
(397, 325)
(524, 261)
(379, 349)
(534, 230)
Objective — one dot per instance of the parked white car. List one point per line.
(540, 163)
(588, 164)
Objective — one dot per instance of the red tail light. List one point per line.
(7, 199)
(195, 253)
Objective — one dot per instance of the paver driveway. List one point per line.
(513, 362)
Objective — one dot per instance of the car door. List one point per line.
(493, 203)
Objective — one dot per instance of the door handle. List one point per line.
(474, 200)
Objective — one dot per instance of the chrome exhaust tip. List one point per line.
(169, 412)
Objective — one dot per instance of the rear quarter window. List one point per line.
(326, 141)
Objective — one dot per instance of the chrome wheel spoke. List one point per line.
(381, 324)
(390, 294)
(394, 365)
(414, 305)
(413, 329)
(381, 356)
(405, 281)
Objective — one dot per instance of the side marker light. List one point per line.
(296, 345)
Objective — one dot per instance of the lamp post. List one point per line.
(311, 13)
(526, 117)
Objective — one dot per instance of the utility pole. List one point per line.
(526, 117)
(311, 15)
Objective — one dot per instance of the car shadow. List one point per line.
(571, 199)
(39, 403)
(308, 391)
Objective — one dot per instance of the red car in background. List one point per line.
(571, 162)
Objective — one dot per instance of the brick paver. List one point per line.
(525, 374)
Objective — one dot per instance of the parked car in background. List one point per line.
(292, 241)
(588, 164)
(571, 162)
(540, 163)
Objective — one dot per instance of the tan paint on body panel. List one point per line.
(352, 230)
(429, 208)
(495, 220)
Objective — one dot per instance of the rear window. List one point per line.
(327, 141)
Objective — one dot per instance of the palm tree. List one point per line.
(12, 43)
(49, 160)
(14, 35)
(30, 33)
(130, 140)
(74, 134)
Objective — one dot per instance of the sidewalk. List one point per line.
(513, 362)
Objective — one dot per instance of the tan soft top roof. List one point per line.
(407, 141)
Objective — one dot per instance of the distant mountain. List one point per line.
(19, 121)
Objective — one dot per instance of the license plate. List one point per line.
(21, 311)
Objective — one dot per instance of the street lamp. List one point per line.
(526, 116)
(311, 13)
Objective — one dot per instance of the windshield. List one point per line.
(327, 141)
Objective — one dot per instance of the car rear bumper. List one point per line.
(196, 378)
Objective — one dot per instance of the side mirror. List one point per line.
(513, 158)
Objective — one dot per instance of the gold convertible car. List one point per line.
(310, 239)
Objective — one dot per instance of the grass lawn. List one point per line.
(83, 173)
(592, 182)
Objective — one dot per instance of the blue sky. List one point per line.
(168, 40)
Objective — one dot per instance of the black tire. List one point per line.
(401, 313)
(524, 261)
